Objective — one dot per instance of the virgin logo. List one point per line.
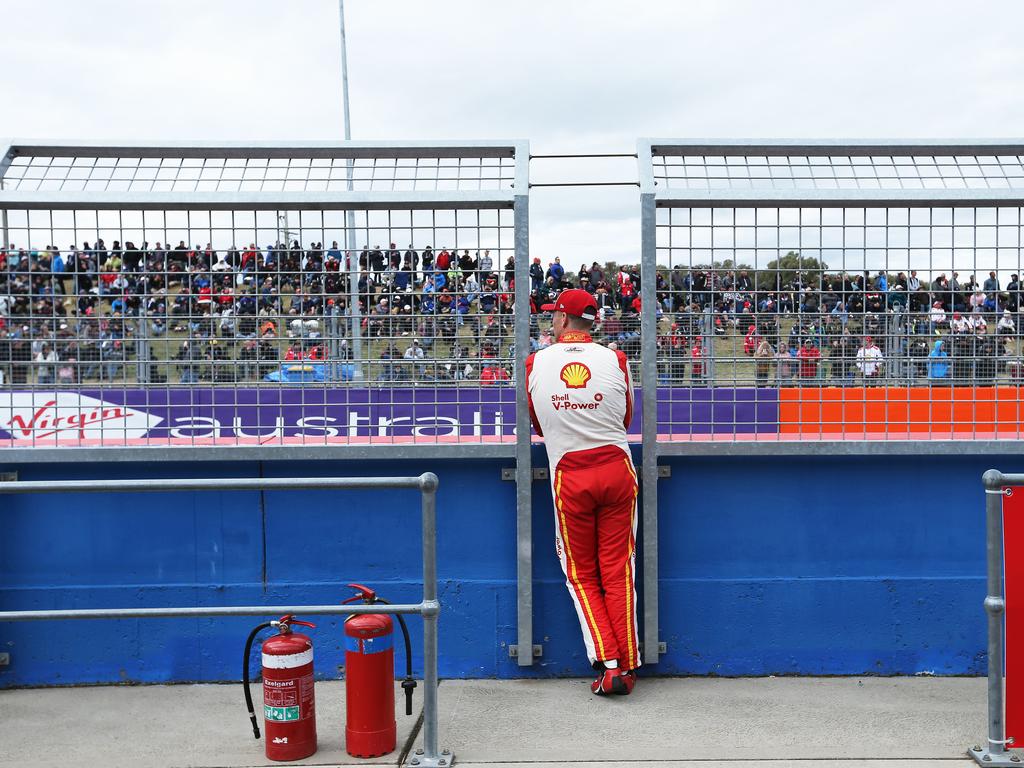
(31, 417)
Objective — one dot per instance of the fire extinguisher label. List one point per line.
(280, 714)
(286, 700)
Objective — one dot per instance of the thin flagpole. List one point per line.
(350, 229)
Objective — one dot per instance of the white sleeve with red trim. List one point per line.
(580, 397)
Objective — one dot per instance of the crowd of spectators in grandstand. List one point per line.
(845, 329)
(236, 314)
(191, 314)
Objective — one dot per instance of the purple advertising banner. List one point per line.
(216, 415)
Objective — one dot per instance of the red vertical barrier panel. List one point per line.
(1013, 589)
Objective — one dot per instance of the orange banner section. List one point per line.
(911, 411)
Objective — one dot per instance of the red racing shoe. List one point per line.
(613, 682)
(629, 679)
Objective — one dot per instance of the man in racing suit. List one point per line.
(581, 402)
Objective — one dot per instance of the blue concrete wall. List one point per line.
(824, 565)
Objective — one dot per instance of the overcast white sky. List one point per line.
(568, 76)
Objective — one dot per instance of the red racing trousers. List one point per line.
(595, 538)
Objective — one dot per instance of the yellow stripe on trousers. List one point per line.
(592, 624)
(630, 644)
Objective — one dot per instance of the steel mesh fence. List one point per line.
(839, 171)
(820, 309)
(31, 173)
(166, 321)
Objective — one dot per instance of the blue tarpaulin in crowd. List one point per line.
(305, 372)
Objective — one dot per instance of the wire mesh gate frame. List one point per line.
(995, 753)
(429, 608)
(60, 185)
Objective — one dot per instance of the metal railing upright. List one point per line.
(997, 488)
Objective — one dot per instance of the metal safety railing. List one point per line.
(998, 487)
(429, 608)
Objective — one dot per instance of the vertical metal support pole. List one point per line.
(355, 317)
(524, 465)
(3, 224)
(5, 162)
(333, 349)
(994, 753)
(142, 343)
(350, 218)
(649, 384)
(709, 345)
(994, 606)
(344, 72)
(428, 500)
(337, 365)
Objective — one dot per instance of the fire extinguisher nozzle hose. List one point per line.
(245, 676)
(255, 724)
(408, 684)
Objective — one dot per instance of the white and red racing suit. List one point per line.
(581, 402)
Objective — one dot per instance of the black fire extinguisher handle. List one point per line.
(245, 677)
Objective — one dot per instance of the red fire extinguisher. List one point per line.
(370, 678)
(289, 709)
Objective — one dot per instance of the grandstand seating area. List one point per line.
(183, 314)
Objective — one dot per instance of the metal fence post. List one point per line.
(524, 461)
(142, 352)
(994, 753)
(649, 384)
(5, 163)
(428, 490)
(708, 359)
(6, 243)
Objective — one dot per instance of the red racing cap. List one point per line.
(574, 301)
